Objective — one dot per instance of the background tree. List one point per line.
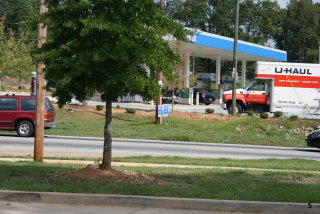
(260, 21)
(19, 16)
(104, 45)
(301, 31)
(15, 54)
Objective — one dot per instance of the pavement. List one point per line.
(159, 202)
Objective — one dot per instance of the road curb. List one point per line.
(159, 202)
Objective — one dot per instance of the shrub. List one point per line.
(21, 87)
(278, 114)
(130, 110)
(251, 113)
(209, 110)
(99, 107)
(293, 118)
(264, 115)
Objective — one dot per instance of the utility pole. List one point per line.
(40, 92)
(319, 50)
(235, 62)
(158, 78)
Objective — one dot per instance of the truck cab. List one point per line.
(255, 96)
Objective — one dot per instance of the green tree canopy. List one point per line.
(15, 54)
(105, 45)
(19, 16)
(301, 31)
(259, 20)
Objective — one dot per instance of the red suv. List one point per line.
(19, 113)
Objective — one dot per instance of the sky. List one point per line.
(283, 3)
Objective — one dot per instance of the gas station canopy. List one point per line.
(207, 45)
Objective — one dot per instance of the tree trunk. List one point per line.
(106, 160)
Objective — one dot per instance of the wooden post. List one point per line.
(40, 93)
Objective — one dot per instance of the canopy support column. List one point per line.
(244, 71)
(218, 71)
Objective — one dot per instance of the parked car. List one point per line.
(313, 139)
(167, 98)
(18, 113)
(206, 97)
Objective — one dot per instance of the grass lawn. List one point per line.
(190, 183)
(239, 130)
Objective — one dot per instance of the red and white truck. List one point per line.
(278, 86)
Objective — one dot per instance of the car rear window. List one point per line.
(28, 104)
(8, 103)
(48, 105)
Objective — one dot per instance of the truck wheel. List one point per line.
(238, 108)
(25, 128)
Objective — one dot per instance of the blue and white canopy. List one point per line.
(208, 45)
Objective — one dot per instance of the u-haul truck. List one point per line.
(288, 87)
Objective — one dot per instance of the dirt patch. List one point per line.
(113, 176)
(173, 114)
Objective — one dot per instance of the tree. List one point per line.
(19, 16)
(301, 31)
(105, 45)
(260, 21)
(15, 54)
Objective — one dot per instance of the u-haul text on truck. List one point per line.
(288, 87)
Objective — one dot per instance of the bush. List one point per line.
(99, 107)
(264, 115)
(278, 114)
(209, 110)
(21, 87)
(251, 113)
(293, 118)
(130, 110)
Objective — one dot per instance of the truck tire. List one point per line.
(238, 108)
(25, 128)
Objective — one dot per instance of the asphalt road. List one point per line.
(62, 146)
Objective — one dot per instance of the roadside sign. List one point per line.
(165, 110)
(160, 107)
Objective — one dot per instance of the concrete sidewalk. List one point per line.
(160, 202)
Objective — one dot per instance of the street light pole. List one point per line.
(235, 63)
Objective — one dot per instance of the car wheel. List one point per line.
(238, 108)
(25, 128)
(207, 103)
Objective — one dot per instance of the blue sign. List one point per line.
(160, 110)
(165, 110)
